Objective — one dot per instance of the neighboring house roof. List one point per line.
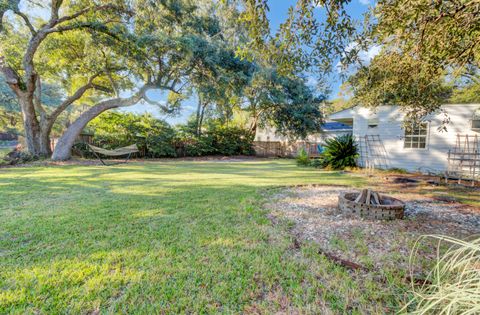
(335, 126)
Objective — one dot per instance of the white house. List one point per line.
(424, 147)
(329, 130)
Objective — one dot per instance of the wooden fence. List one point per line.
(6, 136)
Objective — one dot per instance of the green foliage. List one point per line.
(340, 152)
(469, 93)
(317, 162)
(442, 34)
(302, 158)
(397, 79)
(115, 129)
(313, 34)
(218, 140)
(286, 103)
(158, 139)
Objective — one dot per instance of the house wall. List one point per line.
(431, 159)
(269, 134)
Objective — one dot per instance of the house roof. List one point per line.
(334, 126)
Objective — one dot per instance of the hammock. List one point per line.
(128, 150)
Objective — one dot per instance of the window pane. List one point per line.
(422, 142)
(476, 124)
(423, 130)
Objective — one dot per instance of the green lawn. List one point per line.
(171, 237)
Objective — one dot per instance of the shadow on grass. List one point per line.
(188, 237)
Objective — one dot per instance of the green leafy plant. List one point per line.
(302, 158)
(317, 163)
(453, 285)
(340, 152)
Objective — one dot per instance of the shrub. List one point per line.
(115, 129)
(217, 140)
(317, 163)
(455, 279)
(158, 139)
(340, 152)
(302, 158)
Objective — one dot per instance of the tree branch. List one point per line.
(74, 97)
(86, 10)
(27, 21)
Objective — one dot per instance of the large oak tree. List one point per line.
(112, 52)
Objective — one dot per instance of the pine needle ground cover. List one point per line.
(166, 237)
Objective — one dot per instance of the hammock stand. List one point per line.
(128, 150)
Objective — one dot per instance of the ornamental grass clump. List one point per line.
(453, 285)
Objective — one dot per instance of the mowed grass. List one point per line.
(165, 237)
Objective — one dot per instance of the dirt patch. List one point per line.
(375, 244)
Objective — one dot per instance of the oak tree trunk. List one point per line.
(64, 145)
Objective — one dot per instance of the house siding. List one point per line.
(431, 159)
(269, 134)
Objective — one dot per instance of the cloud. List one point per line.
(368, 55)
(365, 56)
(364, 2)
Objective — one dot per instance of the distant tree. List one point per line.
(467, 87)
(285, 103)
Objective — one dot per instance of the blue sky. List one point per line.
(277, 14)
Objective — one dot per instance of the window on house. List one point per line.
(416, 136)
(476, 120)
(372, 123)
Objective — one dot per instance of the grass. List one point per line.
(455, 287)
(172, 237)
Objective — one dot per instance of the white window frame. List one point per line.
(476, 120)
(417, 136)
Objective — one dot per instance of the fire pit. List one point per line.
(371, 205)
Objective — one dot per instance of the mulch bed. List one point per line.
(378, 244)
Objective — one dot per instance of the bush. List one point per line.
(317, 163)
(302, 158)
(340, 152)
(158, 139)
(154, 136)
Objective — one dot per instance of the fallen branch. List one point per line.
(343, 262)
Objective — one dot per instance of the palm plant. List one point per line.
(340, 152)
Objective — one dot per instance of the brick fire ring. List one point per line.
(389, 209)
